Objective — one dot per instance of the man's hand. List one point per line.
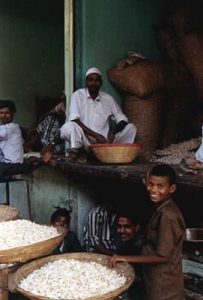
(111, 136)
(101, 139)
(115, 259)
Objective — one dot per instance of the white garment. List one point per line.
(11, 142)
(199, 153)
(95, 113)
(73, 133)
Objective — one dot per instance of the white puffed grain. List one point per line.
(72, 279)
(20, 233)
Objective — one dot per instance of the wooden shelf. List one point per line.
(126, 173)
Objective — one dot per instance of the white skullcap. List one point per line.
(93, 70)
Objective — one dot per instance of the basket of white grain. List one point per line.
(23, 240)
(8, 213)
(71, 276)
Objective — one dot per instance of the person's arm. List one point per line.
(144, 259)
(103, 250)
(119, 117)
(87, 131)
(113, 131)
(120, 126)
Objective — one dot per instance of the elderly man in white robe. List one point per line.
(88, 122)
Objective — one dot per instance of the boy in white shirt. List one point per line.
(11, 142)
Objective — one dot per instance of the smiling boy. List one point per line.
(162, 249)
(130, 242)
(11, 142)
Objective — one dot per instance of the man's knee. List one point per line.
(131, 128)
(67, 129)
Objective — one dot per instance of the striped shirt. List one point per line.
(99, 229)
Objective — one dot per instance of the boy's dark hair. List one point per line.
(164, 170)
(61, 212)
(131, 216)
(9, 104)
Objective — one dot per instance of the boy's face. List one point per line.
(61, 221)
(159, 188)
(6, 115)
(126, 229)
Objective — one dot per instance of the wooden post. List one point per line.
(4, 273)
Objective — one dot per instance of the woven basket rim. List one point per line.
(31, 251)
(28, 268)
(116, 154)
(137, 145)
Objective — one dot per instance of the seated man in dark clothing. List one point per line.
(62, 217)
(130, 241)
(44, 135)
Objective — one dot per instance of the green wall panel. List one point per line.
(107, 29)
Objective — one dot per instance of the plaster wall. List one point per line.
(31, 64)
(31, 53)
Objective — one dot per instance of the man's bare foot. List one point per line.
(47, 148)
(194, 164)
(46, 157)
(191, 161)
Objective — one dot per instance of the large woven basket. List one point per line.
(121, 268)
(116, 153)
(36, 250)
(8, 213)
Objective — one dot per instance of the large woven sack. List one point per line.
(168, 46)
(144, 79)
(177, 122)
(177, 81)
(146, 115)
(141, 79)
(180, 21)
(191, 49)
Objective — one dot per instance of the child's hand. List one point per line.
(115, 259)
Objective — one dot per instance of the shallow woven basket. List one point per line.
(121, 268)
(116, 153)
(26, 253)
(8, 213)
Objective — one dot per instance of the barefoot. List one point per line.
(46, 149)
(46, 157)
(194, 163)
(191, 161)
